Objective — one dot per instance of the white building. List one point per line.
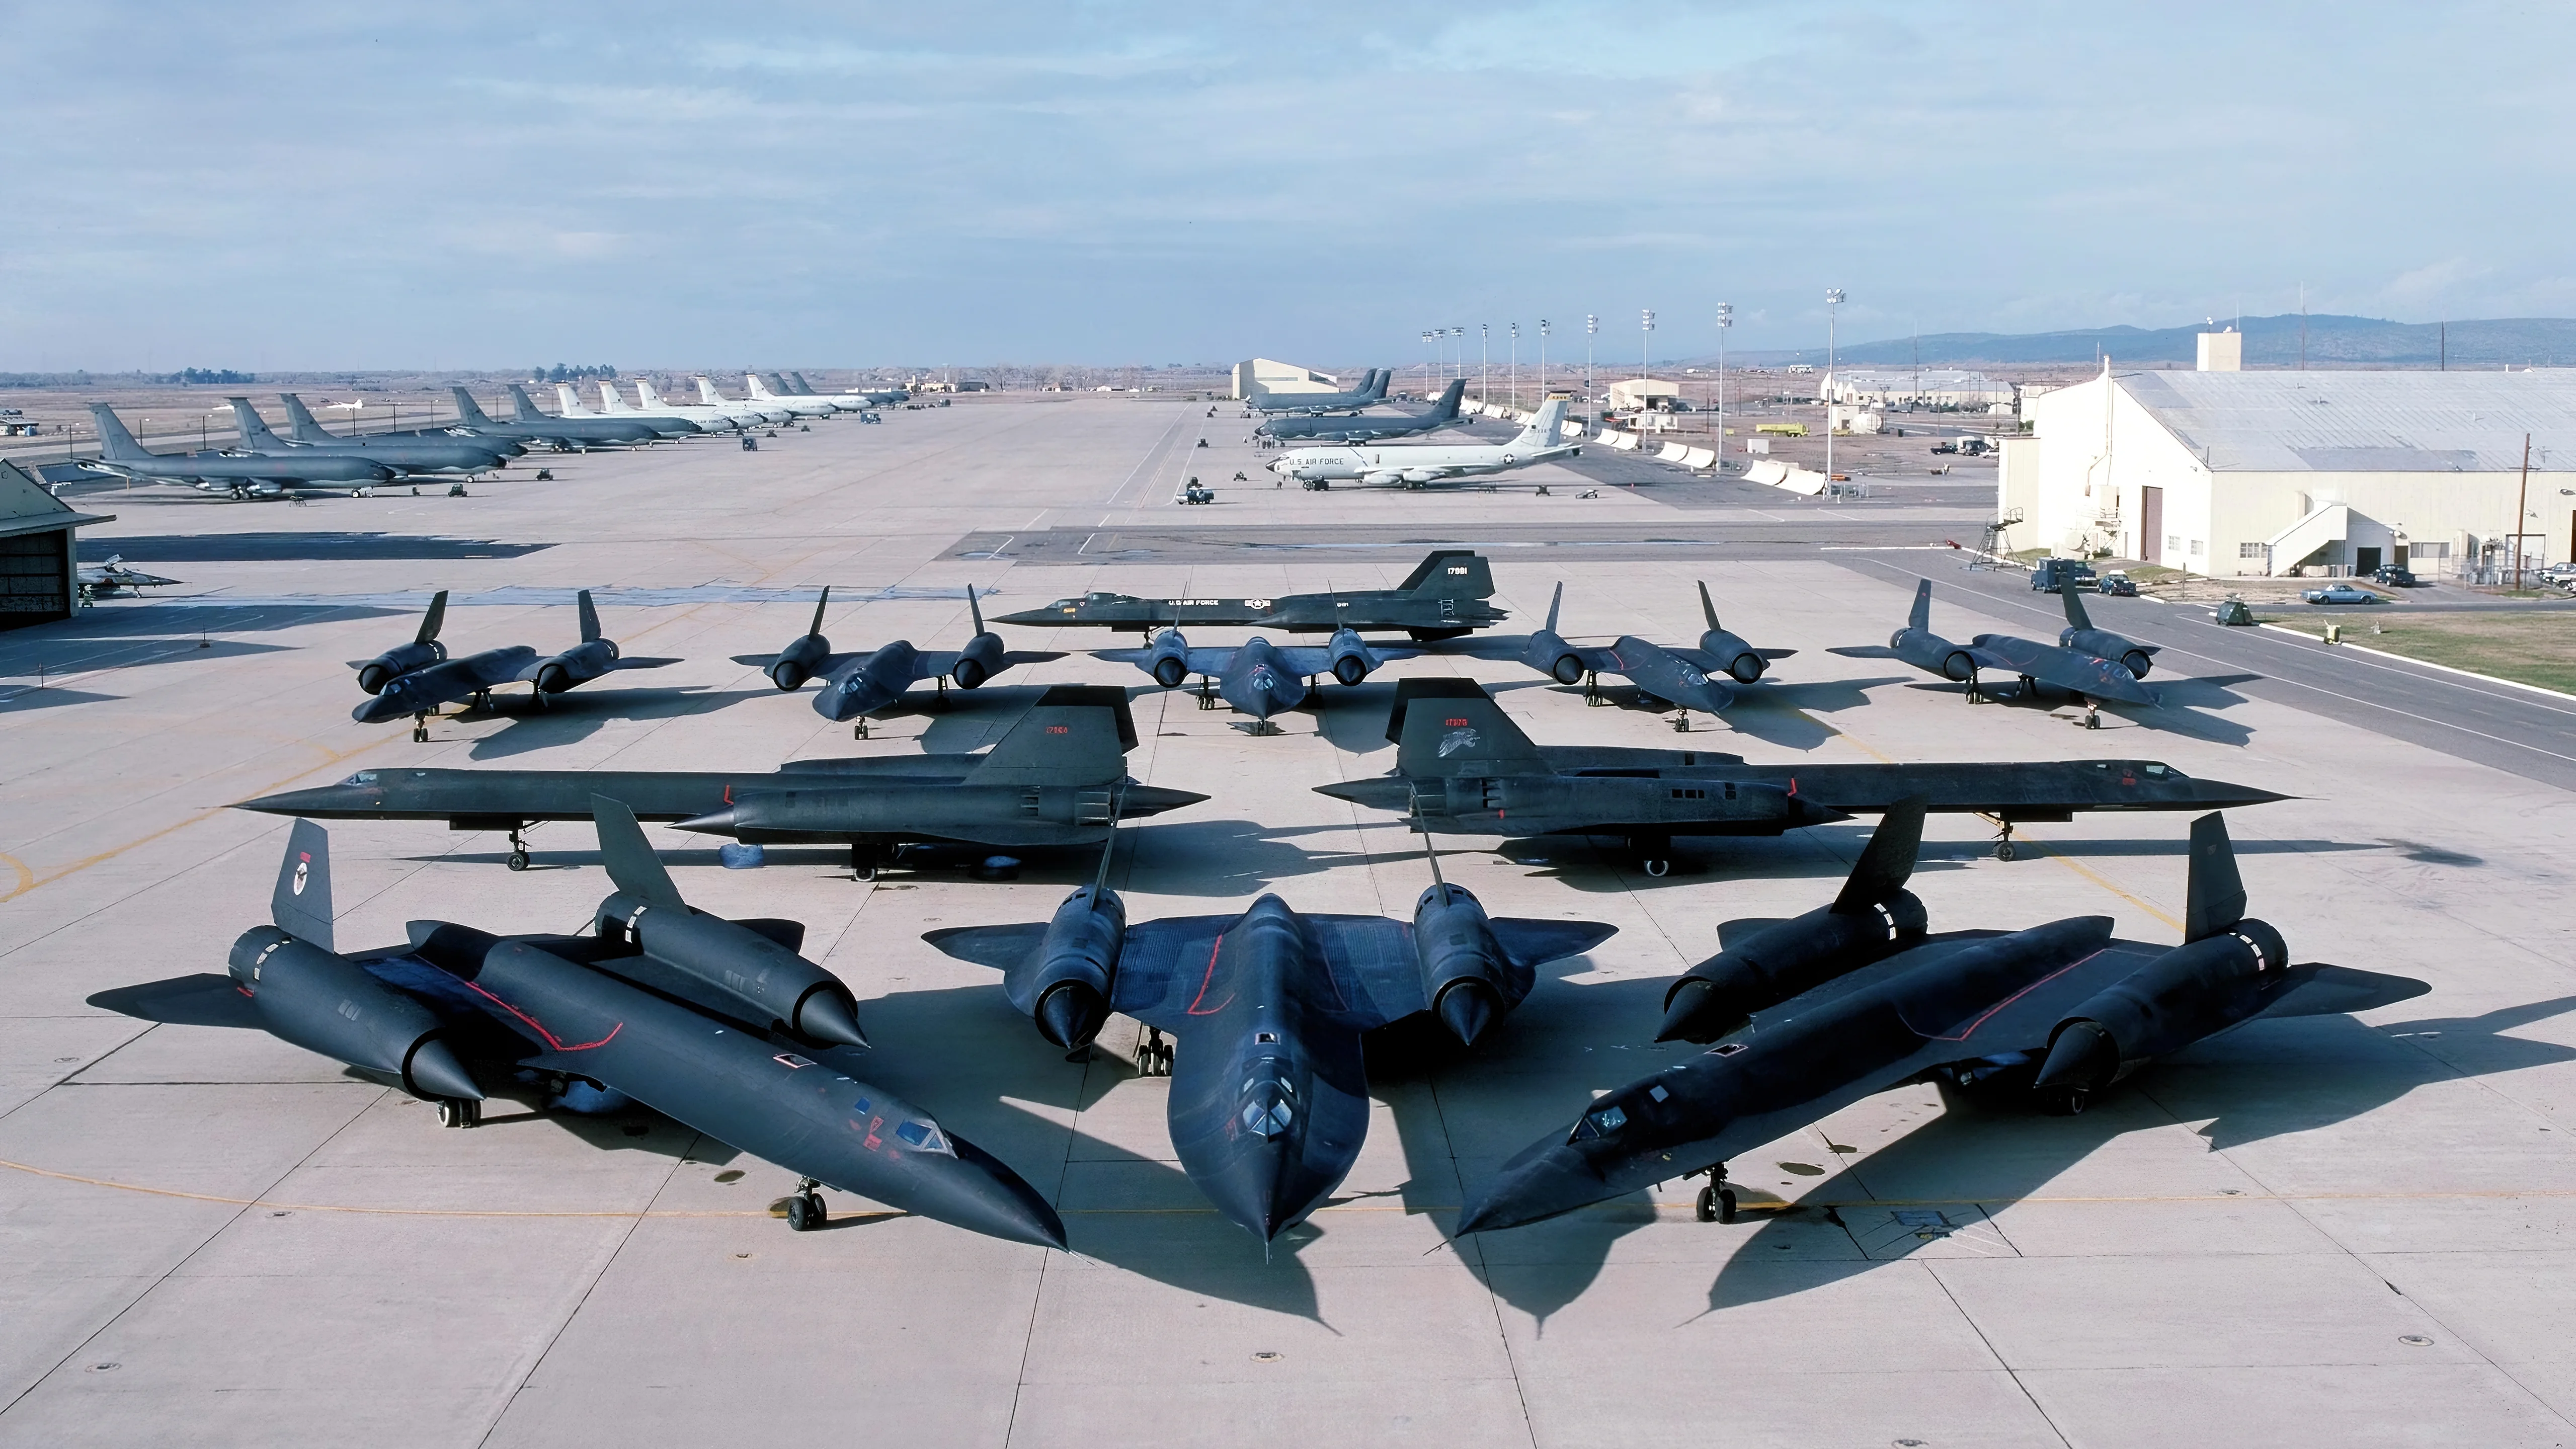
(1893, 390)
(2255, 473)
(1262, 377)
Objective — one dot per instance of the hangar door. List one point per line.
(32, 567)
(2151, 525)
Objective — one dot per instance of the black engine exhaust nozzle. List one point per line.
(2081, 1061)
(1071, 1014)
(1467, 1006)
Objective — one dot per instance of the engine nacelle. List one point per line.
(1064, 985)
(798, 661)
(1170, 661)
(741, 961)
(1551, 655)
(1466, 975)
(1958, 665)
(1779, 961)
(2187, 993)
(376, 673)
(980, 660)
(1351, 662)
(329, 1004)
(1739, 659)
(553, 677)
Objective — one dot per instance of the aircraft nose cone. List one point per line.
(1071, 1015)
(720, 822)
(975, 1191)
(1266, 1188)
(385, 706)
(2084, 1055)
(2221, 793)
(1467, 1008)
(826, 1016)
(1532, 1187)
(1155, 799)
(296, 802)
(434, 1071)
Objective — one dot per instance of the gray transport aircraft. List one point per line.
(794, 388)
(803, 407)
(605, 429)
(882, 397)
(1417, 465)
(1050, 781)
(717, 1024)
(766, 412)
(303, 427)
(2087, 676)
(1462, 767)
(1844, 1003)
(1269, 1102)
(1445, 596)
(1257, 677)
(240, 475)
(471, 679)
(875, 680)
(650, 405)
(1372, 389)
(407, 457)
(1686, 678)
(1367, 427)
(568, 435)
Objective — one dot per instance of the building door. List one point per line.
(2365, 562)
(2151, 524)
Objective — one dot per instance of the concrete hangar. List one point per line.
(2233, 473)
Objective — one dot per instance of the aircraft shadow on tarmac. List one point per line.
(577, 715)
(2187, 701)
(1778, 713)
(1236, 859)
(30, 697)
(1980, 1154)
(280, 546)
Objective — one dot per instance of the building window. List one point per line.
(2195, 548)
(2249, 550)
(2428, 550)
(2173, 543)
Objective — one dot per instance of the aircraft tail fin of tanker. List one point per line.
(114, 443)
(1544, 430)
(1451, 727)
(301, 904)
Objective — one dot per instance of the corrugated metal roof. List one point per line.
(2365, 422)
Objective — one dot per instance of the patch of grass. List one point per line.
(2534, 647)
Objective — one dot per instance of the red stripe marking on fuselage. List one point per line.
(1988, 1013)
(539, 1027)
(1209, 979)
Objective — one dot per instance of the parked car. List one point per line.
(2560, 574)
(2394, 577)
(2050, 575)
(2340, 594)
(2118, 585)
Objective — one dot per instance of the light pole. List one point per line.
(1591, 327)
(1427, 352)
(1645, 331)
(1484, 361)
(1516, 367)
(1833, 299)
(1725, 320)
(1542, 361)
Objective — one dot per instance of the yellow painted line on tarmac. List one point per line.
(26, 877)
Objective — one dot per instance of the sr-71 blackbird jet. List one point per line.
(423, 688)
(1269, 1101)
(873, 680)
(1257, 677)
(1686, 678)
(1367, 427)
(717, 1024)
(2085, 675)
(407, 457)
(1462, 767)
(237, 474)
(1445, 596)
(1372, 389)
(1416, 465)
(1050, 781)
(1850, 1001)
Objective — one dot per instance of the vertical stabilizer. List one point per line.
(609, 401)
(2075, 614)
(301, 425)
(629, 857)
(529, 412)
(253, 428)
(803, 388)
(1543, 430)
(589, 616)
(1446, 410)
(1888, 860)
(2216, 898)
(567, 399)
(1920, 620)
(974, 610)
(430, 622)
(1450, 573)
(301, 904)
(1451, 727)
(707, 393)
(1553, 600)
(467, 409)
(820, 605)
(646, 395)
(1377, 385)
(115, 444)
(759, 390)
(1707, 609)
(1073, 744)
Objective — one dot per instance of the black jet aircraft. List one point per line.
(1049, 781)
(2059, 1011)
(1468, 770)
(1687, 679)
(303, 427)
(1257, 677)
(1372, 389)
(566, 435)
(423, 651)
(1366, 427)
(875, 680)
(2086, 676)
(406, 457)
(1269, 1102)
(473, 677)
(1445, 596)
(240, 475)
(719, 1025)
(2080, 636)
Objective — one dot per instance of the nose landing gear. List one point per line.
(1716, 1202)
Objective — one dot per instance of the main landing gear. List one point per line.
(518, 852)
(805, 1211)
(1654, 854)
(459, 1112)
(2003, 840)
(1716, 1202)
(865, 862)
(1153, 1054)
(420, 728)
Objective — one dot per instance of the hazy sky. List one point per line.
(288, 186)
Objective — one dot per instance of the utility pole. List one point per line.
(1542, 361)
(1833, 300)
(2521, 500)
(1725, 320)
(1484, 361)
(1591, 326)
(1645, 331)
(1427, 351)
(1516, 367)
(2303, 327)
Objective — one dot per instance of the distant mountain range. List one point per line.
(2332, 341)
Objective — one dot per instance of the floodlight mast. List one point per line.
(1591, 327)
(1725, 320)
(1542, 361)
(1833, 299)
(1516, 366)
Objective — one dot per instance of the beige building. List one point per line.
(1644, 394)
(2259, 473)
(1262, 377)
(1887, 391)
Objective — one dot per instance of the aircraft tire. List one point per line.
(2004, 850)
(518, 860)
(805, 1212)
(1705, 1209)
(1657, 867)
(1726, 1204)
